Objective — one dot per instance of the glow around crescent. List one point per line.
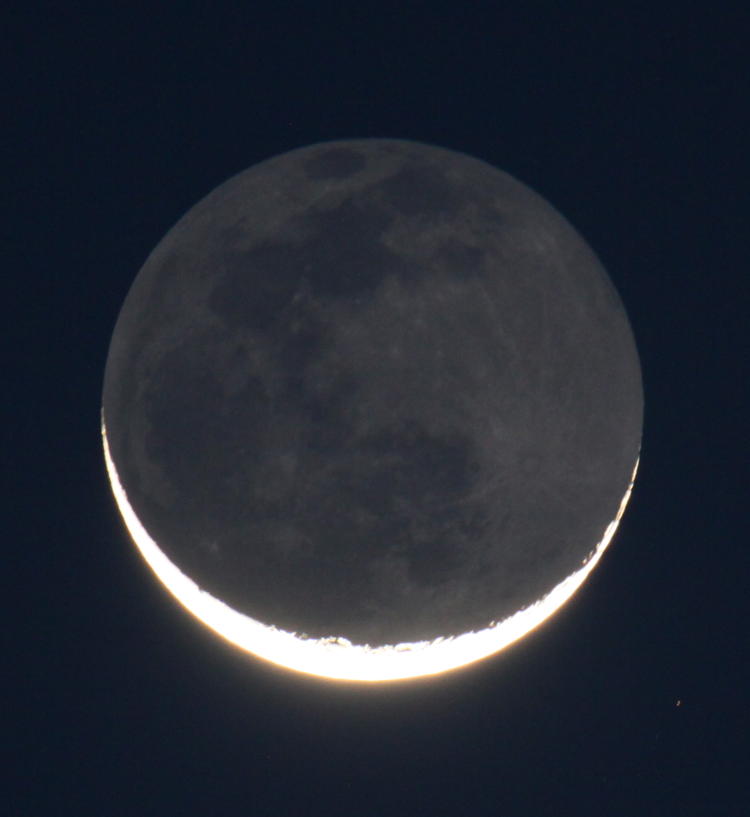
(336, 657)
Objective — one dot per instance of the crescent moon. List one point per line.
(372, 411)
(336, 657)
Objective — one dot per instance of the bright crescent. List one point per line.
(336, 657)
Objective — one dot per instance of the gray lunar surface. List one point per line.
(374, 389)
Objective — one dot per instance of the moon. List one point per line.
(372, 410)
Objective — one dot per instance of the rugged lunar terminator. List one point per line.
(372, 409)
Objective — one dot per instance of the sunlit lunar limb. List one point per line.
(335, 657)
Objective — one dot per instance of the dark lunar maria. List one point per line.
(374, 389)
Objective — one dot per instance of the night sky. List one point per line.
(633, 699)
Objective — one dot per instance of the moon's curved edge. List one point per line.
(336, 657)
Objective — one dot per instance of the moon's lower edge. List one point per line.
(335, 657)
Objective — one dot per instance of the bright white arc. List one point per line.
(336, 657)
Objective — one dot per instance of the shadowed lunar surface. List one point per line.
(374, 389)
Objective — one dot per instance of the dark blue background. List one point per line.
(629, 120)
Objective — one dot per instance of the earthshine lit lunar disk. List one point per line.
(372, 410)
